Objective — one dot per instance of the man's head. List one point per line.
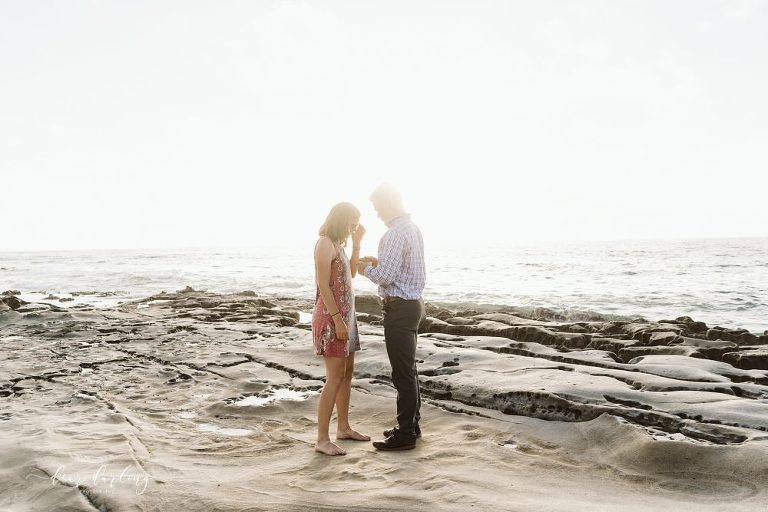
(387, 202)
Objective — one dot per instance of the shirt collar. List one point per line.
(398, 219)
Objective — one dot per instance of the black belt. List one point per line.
(387, 300)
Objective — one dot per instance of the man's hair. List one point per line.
(389, 194)
(336, 225)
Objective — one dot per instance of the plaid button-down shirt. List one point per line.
(401, 271)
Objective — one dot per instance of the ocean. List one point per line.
(718, 281)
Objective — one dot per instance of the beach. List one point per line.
(207, 401)
(573, 191)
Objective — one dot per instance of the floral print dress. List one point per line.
(323, 329)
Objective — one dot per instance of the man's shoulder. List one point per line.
(411, 227)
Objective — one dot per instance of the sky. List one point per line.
(140, 124)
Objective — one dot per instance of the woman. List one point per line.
(334, 326)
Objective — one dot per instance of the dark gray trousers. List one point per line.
(401, 325)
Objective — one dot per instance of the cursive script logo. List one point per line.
(103, 480)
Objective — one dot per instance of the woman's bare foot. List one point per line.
(328, 448)
(351, 434)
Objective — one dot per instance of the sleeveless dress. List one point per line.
(323, 329)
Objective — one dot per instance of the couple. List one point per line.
(400, 273)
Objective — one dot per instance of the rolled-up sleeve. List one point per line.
(390, 261)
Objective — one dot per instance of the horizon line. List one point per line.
(441, 243)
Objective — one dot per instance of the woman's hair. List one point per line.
(336, 225)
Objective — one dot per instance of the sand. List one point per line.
(197, 401)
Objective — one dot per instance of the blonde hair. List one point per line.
(336, 225)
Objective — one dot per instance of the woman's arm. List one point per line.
(357, 237)
(353, 259)
(324, 253)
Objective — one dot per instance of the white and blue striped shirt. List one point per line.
(401, 271)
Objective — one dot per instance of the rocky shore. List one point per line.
(208, 401)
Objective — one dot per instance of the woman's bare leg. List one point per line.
(334, 376)
(344, 429)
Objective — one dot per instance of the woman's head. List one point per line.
(340, 223)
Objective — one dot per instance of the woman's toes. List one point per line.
(353, 435)
(328, 448)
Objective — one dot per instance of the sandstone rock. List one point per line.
(430, 324)
(188, 289)
(739, 336)
(637, 330)
(437, 311)
(708, 348)
(260, 303)
(543, 336)
(574, 341)
(12, 302)
(533, 334)
(370, 304)
(483, 328)
(248, 293)
(693, 326)
(576, 328)
(756, 359)
(506, 318)
(287, 321)
(611, 344)
(11, 292)
(367, 318)
(658, 338)
(689, 323)
(457, 320)
(629, 353)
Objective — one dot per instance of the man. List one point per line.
(400, 273)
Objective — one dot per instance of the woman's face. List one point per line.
(353, 226)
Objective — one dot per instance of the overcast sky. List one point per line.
(161, 124)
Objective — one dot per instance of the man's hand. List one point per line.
(369, 260)
(361, 266)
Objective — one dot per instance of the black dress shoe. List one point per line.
(397, 441)
(391, 431)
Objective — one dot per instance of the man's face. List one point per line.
(379, 207)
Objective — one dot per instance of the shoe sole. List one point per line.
(398, 449)
(385, 434)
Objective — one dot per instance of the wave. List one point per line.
(291, 285)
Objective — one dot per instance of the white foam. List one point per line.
(273, 396)
(210, 427)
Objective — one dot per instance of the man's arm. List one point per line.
(390, 261)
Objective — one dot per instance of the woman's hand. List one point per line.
(341, 328)
(357, 234)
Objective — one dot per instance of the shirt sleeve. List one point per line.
(390, 261)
